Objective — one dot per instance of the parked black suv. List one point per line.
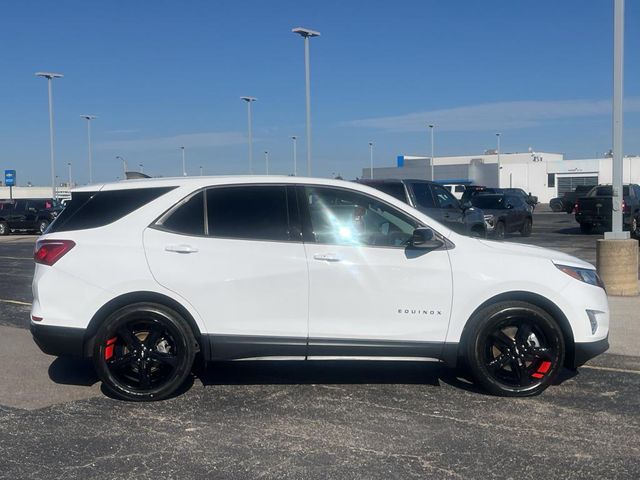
(594, 209)
(504, 213)
(436, 201)
(32, 215)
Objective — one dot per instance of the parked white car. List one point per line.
(144, 275)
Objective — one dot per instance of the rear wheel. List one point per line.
(144, 352)
(515, 349)
(586, 227)
(635, 227)
(527, 228)
(4, 228)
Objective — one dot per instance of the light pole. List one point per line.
(184, 163)
(295, 155)
(498, 152)
(266, 161)
(432, 148)
(141, 168)
(249, 101)
(371, 158)
(50, 76)
(70, 182)
(124, 167)
(306, 34)
(201, 170)
(88, 118)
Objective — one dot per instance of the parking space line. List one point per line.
(611, 369)
(14, 302)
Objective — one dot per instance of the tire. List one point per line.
(586, 228)
(4, 228)
(144, 352)
(514, 349)
(42, 226)
(635, 227)
(527, 228)
(499, 231)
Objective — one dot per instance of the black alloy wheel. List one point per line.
(42, 226)
(516, 349)
(144, 352)
(4, 228)
(500, 230)
(527, 228)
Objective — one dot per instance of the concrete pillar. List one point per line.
(617, 264)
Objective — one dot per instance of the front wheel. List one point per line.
(635, 228)
(4, 228)
(515, 349)
(42, 226)
(527, 228)
(144, 352)
(499, 231)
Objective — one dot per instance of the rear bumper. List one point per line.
(585, 351)
(59, 341)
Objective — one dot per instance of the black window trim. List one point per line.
(307, 228)
(157, 225)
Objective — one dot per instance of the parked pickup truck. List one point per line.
(567, 202)
(436, 201)
(33, 215)
(594, 209)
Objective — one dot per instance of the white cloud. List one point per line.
(494, 116)
(190, 140)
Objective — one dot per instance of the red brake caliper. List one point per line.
(542, 369)
(108, 351)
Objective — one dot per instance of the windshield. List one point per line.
(488, 201)
(606, 191)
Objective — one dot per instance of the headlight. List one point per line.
(583, 274)
(490, 219)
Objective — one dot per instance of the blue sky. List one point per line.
(167, 73)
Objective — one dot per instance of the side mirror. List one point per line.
(423, 237)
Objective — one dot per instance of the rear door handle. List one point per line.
(181, 249)
(326, 257)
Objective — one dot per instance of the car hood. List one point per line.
(518, 249)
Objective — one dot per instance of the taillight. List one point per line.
(625, 207)
(576, 208)
(49, 252)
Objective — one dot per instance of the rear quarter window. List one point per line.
(88, 210)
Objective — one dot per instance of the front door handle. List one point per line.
(181, 249)
(326, 257)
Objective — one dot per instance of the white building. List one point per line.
(546, 175)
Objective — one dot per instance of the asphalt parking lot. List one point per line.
(321, 419)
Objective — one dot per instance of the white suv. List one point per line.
(145, 275)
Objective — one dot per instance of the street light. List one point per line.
(141, 168)
(498, 152)
(432, 147)
(306, 34)
(50, 76)
(88, 118)
(295, 155)
(249, 101)
(371, 158)
(201, 170)
(266, 161)
(184, 163)
(124, 166)
(70, 182)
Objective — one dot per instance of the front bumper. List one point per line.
(585, 351)
(58, 341)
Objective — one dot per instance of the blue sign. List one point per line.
(10, 178)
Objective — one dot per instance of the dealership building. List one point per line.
(546, 175)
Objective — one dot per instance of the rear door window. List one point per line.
(187, 217)
(396, 190)
(255, 212)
